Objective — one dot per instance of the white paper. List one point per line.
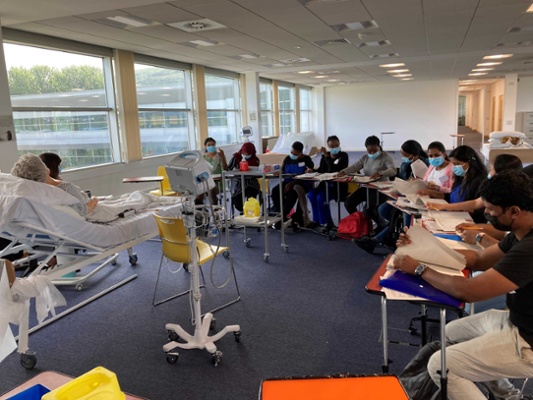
(419, 169)
(459, 245)
(448, 220)
(309, 175)
(409, 187)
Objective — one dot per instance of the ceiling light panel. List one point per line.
(489, 64)
(497, 56)
(355, 26)
(375, 43)
(394, 65)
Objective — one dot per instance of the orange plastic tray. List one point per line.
(360, 388)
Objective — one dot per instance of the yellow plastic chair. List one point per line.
(164, 188)
(176, 248)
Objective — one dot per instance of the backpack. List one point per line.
(415, 376)
(355, 225)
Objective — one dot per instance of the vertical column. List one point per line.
(319, 115)
(8, 148)
(200, 102)
(127, 107)
(252, 107)
(509, 101)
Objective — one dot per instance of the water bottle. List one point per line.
(267, 150)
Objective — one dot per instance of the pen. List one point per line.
(471, 228)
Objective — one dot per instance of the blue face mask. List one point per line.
(60, 168)
(246, 157)
(375, 155)
(211, 149)
(488, 176)
(335, 150)
(406, 160)
(458, 170)
(436, 161)
(293, 157)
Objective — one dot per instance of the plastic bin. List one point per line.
(97, 384)
(34, 392)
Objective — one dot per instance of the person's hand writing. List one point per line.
(405, 264)
(469, 236)
(465, 226)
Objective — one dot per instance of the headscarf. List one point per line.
(249, 149)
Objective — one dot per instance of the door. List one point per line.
(500, 112)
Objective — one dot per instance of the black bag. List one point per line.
(415, 376)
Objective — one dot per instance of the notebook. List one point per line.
(416, 286)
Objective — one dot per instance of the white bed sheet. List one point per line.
(46, 207)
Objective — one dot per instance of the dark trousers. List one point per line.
(289, 200)
(359, 196)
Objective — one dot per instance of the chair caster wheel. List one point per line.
(265, 258)
(237, 336)
(114, 262)
(172, 358)
(213, 324)
(28, 360)
(285, 248)
(173, 336)
(133, 259)
(79, 287)
(216, 357)
(248, 242)
(225, 254)
(186, 267)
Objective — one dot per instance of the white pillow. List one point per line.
(42, 192)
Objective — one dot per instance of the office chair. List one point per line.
(165, 189)
(175, 247)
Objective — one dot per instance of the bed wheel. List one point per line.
(114, 262)
(172, 358)
(28, 360)
(134, 259)
(79, 287)
(225, 254)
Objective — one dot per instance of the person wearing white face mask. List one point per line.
(334, 160)
(376, 164)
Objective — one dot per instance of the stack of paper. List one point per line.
(447, 221)
(409, 187)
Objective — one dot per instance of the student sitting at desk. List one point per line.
(295, 190)
(251, 185)
(411, 152)
(216, 158)
(496, 344)
(376, 164)
(333, 160)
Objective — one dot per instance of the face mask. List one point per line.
(488, 176)
(247, 157)
(60, 168)
(335, 150)
(375, 155)
(406, 160)
(497, 224)
(211, 149)
(293, 157)
(458, 170)
(436, 161)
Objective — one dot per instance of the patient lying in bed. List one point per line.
(31, 167)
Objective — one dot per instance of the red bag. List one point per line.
(355, 225)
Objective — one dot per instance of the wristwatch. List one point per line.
(380, 173)
(479, 238)
(420, 269)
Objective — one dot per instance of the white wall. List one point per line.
(524, 97)
(424, 111)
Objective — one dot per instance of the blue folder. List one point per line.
(449, 236)
(416, 286)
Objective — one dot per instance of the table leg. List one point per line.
(385, 336)
(443, 372)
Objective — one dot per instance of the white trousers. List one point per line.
(481, 348)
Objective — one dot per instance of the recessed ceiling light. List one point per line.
(201, 42)
(489, 64)
(406, 79)
(530, 9)
(392, 65)
(402, 75)
(333, 80)
(305, 72)
(130, 21)
(477, 73)
(355, 26)
(482, 69)
(248, 56)
(297, 47)
(497, 56)
(397, 71)
(320, 76)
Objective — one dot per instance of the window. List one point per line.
(223, 98)
(287, 120)
(266, 107)
(165, 112)
(62, 103)
(305, 109)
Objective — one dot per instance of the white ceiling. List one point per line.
(436, 39)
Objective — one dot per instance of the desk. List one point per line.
(266, 220)
(456, 139)
(145, 179)
(374, 287)
(52, 380)
(337, 388)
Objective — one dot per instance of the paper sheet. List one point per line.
(409, 187)
(447, 221)
(419, 169)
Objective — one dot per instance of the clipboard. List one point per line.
(416, 286)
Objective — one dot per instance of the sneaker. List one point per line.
(367, 244)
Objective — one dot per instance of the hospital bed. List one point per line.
(38, 220)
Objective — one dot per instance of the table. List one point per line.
(266, 220)
(374, 287)
(456, 139)
(334, 388)
(145, 179)
(52, 380)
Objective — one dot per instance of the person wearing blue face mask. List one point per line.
(333, 160)
(294, 190)
(439, 175)
(376, 164)
(216, 158)
(411, 151)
